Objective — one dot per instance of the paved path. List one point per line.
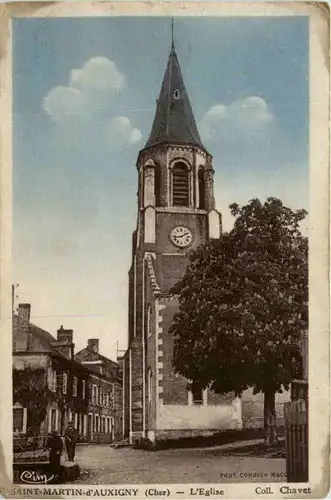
(101, 464)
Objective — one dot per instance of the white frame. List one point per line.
(50, 419)
(94, 394)
(76, 420)
(18, 406)
(65, 383)
(190, 182)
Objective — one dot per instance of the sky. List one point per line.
(84, 95)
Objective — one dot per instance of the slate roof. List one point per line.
(41, 341)
(174, 120)
(85, 355)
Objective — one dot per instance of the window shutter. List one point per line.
(201, 180)
(65, 383)
(54, 381)
(180, 185)
(74, 386)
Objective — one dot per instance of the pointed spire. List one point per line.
(172, 35)
(174, 120)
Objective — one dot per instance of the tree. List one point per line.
(243, 304)
(30, 389)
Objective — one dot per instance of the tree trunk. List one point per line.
(270, 418)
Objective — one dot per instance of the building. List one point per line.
(49, 386)
(105, 394)
(176, 213)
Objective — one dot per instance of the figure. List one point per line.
(55, 447)
(70, 436)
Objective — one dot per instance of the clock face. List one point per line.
(181, 236)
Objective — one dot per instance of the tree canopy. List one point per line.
(243, 303)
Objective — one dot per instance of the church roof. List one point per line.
(174, 120)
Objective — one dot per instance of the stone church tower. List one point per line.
(176, 213)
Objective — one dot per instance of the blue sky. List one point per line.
(84, 99)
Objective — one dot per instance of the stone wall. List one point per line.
(174, 386)
(137, 384)
(198, 417)
(151, 358)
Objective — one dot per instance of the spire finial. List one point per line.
(172, 34)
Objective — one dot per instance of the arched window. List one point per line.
(180, 185)
(176, 94)
(201, 182)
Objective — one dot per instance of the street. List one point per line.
(101, 464)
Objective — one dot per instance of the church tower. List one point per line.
(176, 213)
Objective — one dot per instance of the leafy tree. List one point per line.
(31, 390)
(243, 304)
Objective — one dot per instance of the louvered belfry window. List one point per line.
(180, 185)
(201, 181)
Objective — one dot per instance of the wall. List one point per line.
(126, 389)
(174, 386)
(137, 383)
(174, 412)
(151, 342)
(252, 408)
(198, 417)
(20, 361)
(166, 221)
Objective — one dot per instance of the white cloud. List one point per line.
(85, 103)
(90, 89)
(61, 103)
(248, 115)
(247, 133)
(98, 74)
(120, 129)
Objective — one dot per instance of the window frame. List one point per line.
(74, 386)
(64, 383)
(176, 94)
(24, 410)
(201, 189)
(53, 381)
(175, 164)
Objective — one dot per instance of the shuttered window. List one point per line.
(201, 179)
(180, 185)
(74, 386)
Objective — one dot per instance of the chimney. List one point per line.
(21, 328)
(24, 313)
(64, 335)
(64, 342)
(93, 345)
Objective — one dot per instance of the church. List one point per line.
(176, 213)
